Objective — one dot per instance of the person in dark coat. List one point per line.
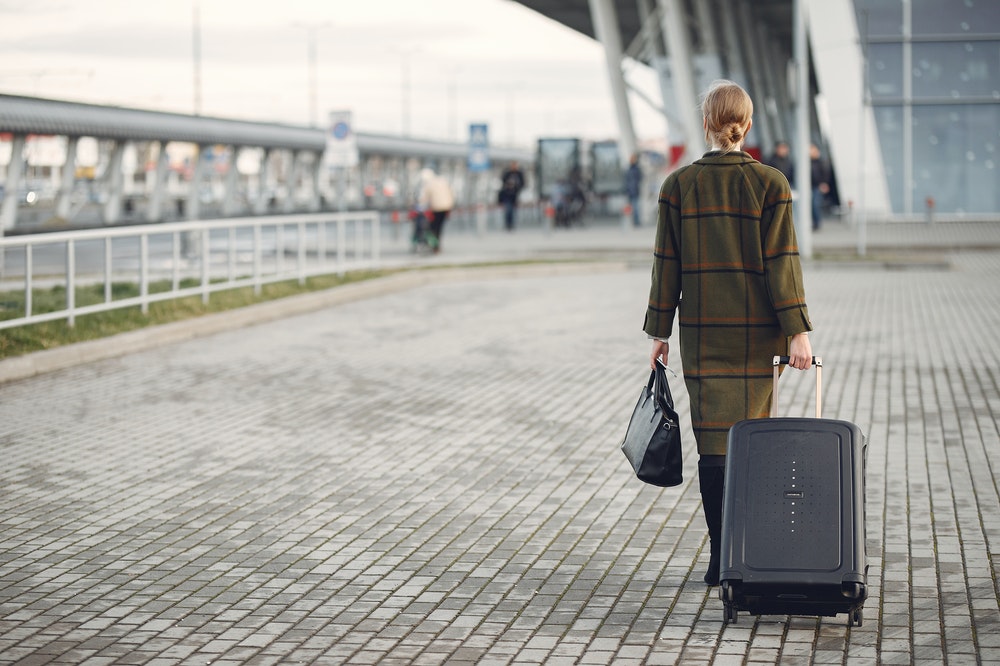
(511, 184)
(781, 160)
(725, 242)
(820, 179)
(633, 187)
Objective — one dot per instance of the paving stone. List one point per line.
(432, 476)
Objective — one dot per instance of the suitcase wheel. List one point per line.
(729, 613)
(857, 617)
(729, 609)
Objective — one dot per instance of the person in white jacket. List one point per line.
(437, 198)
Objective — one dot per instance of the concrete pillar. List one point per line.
(735, 45)
(154, 211)
(12, 185)
(778, 74)
(315, 175)
(854, 148)
(755, 65)
(288, 205)
(707, 26)
(63, 199)
(193, 211)
(113, 179)
(675, 29)
(605, 19)
(803, 109)
(650, 28)
(260, 205)
(229, 202)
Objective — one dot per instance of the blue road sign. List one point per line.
(479, 147)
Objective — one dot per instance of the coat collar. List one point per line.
(718, 157)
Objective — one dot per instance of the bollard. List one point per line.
(550, 215)
(627, 217)
(930, 209)
(481, 219)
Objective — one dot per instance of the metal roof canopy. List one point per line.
(575, 14)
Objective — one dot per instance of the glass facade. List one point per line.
(934, 82)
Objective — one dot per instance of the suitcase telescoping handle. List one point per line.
(783, 360)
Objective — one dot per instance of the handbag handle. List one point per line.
(783, 360)
(660, 387)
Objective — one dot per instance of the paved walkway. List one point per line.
(431, 475)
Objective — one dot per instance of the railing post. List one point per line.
(359, 239)
(71, 282)
(376, 221)
(144, 273)
(176, 256)
(204, 265)
(27, 279)
(302, 253)
(321, 244)
(232, 254)
(341, 245)
(279, 247)
(256, 259)
(107, 269)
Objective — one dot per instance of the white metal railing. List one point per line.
(219, 254)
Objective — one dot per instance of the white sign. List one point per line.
(341, 142)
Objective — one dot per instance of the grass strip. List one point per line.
(47, 335)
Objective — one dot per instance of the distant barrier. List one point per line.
(177, 260)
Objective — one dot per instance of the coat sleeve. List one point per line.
(782, 267)
(665, 285)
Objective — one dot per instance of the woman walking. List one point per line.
(725, 242)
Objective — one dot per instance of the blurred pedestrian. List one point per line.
(511, 184)
(633, 187)
(781, 160)
(437, 198)
(725, 243)
(820, 175)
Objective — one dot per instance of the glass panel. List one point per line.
(889, 120)
(885, 70)
(956, 69)
(949, 17)
(955, 158)
(883, 17)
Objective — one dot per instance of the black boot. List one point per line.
(711, 480)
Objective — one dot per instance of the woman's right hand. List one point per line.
(660, 349)
(800, 355)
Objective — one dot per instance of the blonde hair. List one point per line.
(727, 109)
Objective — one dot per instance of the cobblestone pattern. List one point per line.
(433, 476)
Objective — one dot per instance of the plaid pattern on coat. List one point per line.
(725, 242)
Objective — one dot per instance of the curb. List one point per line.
(59, 358)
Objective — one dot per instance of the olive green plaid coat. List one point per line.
(725, 243)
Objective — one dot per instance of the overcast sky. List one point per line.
(466, 61)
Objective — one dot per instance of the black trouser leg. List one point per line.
(711, 479)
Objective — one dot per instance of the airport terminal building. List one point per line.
(905, 94)
(903, 99)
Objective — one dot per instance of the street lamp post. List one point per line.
(405, 102)
(311, 30)
(196, 48)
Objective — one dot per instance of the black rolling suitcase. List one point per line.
(793, 527)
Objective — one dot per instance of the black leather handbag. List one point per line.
(652, 442)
